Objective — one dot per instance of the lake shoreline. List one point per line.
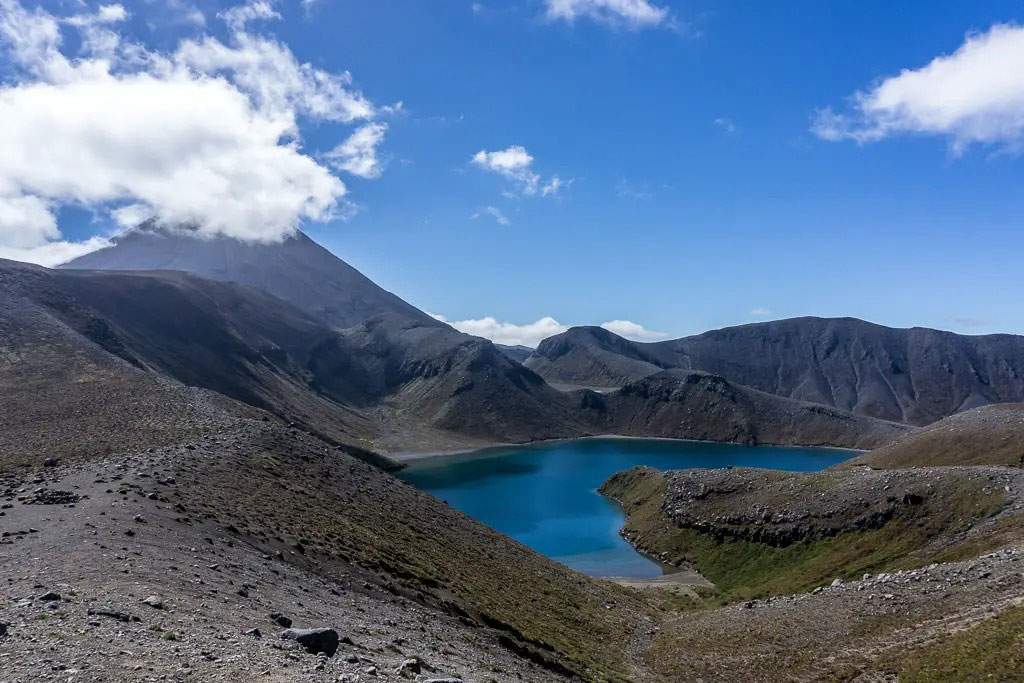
(406, 458)
(548, 495)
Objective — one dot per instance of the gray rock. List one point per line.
(113, 614)
(281, 620)
(315, 640)
(51, 462)
(154, 602)
(49, 596)
(410, 667)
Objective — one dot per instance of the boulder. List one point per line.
(410, 667)
(281, 620)
(154, 602)
(315, 640)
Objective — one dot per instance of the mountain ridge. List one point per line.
(912, 375)
(296, 269)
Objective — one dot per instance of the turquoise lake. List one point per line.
(545, 496)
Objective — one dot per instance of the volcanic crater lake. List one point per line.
(545, 495)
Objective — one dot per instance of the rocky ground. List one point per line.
(989, 435)
(849, 574)
(125, 485)
(870, 629)
(779, 508)
(107, 579)
(153, 531)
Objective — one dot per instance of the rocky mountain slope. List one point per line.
(387, 384)
(848, 574)
(517, 353)
(296, 270)
(989, 435)
(160, 517)
(696, 405)
(913, 375)
(151, 530)
(365, 369)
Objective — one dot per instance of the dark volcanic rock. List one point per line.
(306, 337)
(52, 497)
(315, 640)
(281, 620)
(297, 270)
(912, 375)
(113, 614)
(517, 353)
(697, 405)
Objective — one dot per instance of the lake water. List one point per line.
(545, 496)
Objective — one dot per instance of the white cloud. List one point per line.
(106, 14)
(255, 10)
(53, 253)
(516, 164)
(975, 95)
(510, 334)
(632, 330)
(630, 13)
(761, 312)
(207, 135)
(494, 212)
(553, 186)
(531, 334)
(358, 154)
(726, 124)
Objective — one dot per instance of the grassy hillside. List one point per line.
(756, 534)
(990, 435)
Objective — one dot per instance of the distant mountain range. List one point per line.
(914, 376)
(290, 328)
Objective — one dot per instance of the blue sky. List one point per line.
(700, 184)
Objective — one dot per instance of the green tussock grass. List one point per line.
(992, 650)
(743, 570)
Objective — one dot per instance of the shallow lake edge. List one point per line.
(407, 458)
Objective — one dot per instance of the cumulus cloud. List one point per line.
(630, 13)
(53, 253)
(255, 10)
(358, 154)
(632, 330)
(509, 334)
(207, 135)
(516, 164)
(531, 334)
(494, 212)
(106, 14)
(973, 96)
